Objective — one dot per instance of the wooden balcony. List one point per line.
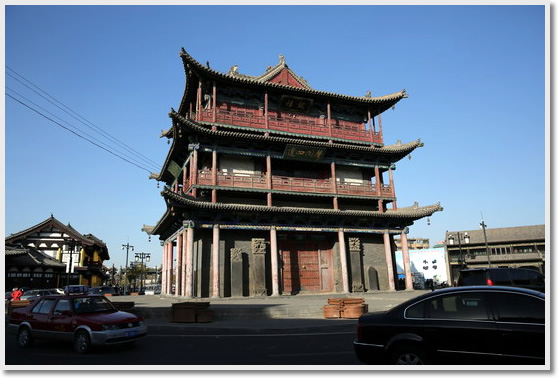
(292, 184)
(294, 124)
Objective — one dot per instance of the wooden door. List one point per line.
(305, 267)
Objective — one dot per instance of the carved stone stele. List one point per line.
(236, 254)
(258, 246)
(354, 244)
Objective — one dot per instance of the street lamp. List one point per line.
(139, 258)
(126, 247)
(72, 244)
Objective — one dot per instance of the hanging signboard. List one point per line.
(295, 104)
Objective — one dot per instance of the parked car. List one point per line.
(520, 277)
(153, 290)
(463, 325)
(30, 294)
(103, 290)
(85, 319)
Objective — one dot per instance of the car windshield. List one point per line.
(86, 305)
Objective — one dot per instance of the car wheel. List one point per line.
(82, 341)
(24, 337)
(408, 355)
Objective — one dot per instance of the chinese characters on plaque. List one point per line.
(303, 153)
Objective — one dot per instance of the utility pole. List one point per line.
(127, 247)
(483, 225)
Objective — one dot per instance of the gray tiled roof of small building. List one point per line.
(503, 234)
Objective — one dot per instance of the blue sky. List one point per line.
(475, 76)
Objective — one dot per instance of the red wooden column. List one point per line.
(215, 261)
(198, 101)
(164, 270)
(334, 186)
(378, 181)
(170, 264)
(406, 262)
(269, 179)
(182, 251)
(184, 179)
(343, 258)
(389, 261)
(274, 262)
(329, 119)
(214, 175)
(214, 102)
(265, 112)
(179, 262)
(194, 172)
(392, 185)
(380, 131)
(189, 279)
(371, 128)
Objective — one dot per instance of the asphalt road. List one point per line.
(183, 350)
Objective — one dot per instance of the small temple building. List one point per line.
(275, 188)
(51, 254)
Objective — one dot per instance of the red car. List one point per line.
(84, 319)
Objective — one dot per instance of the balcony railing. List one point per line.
(292, 184)
(294, 124)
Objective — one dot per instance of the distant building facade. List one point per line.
(55, 254)
(427, 264)
(275, 188)
(413, 243)
(513, 247)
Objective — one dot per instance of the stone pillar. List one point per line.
(274, 262)
(356, 265)
(343, 257)
(236, 272)
(406, 262)
(258, 267)
(189, 262)
(215, 261)
(389, 261)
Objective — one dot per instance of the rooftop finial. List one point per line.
(281, 59)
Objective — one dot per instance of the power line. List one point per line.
(75, 133)
(78, 117)
(67, 123)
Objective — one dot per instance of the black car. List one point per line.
(519, 277)
(465, 325)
